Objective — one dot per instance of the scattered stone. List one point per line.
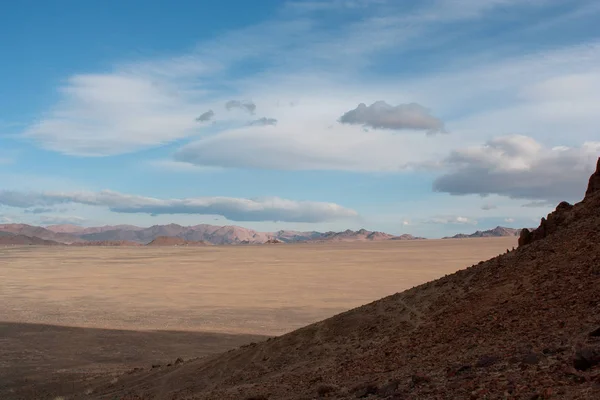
(487, 361)
(420, 379)
(595, 333)
(155, 366)
(326, 389)
(178, 361)
(586, 358)
(574, 375)
(531, 359)
(389, 389)
(364, 390)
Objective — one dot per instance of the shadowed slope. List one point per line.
(43, 361)
(520, 325)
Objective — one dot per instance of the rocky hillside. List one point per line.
(39, 232)
(523, 325)
(498, 231)
(10, 239)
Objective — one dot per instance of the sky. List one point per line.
(426, 117)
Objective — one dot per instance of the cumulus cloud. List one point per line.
(381, 115)
(245, 106)
(263, 122)
(509, 220)
(234, 209)
(519, 167)
(452, 219)
(207, 116)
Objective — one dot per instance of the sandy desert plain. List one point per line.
(85, 310)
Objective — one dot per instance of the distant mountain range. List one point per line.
(498, 231)
(116, 235)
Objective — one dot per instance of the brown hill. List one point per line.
(109, 243)
(523, 325)
(221, 235)
(9, 239)
(75, 229)
(498, 231)
(360, 235)
(39, 232)
(174, 241)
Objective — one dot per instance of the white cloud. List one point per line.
(509, 220)
(148, 103)
(452, 219)
(234, 209)
(519, 167)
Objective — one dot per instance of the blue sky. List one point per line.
(424, 117)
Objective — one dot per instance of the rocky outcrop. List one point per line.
(563, 214)
(594, 182)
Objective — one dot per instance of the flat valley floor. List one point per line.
(73, 310)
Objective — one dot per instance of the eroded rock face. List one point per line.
(559, 217)
(594, 182)
(524, 237)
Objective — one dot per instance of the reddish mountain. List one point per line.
(498, 231)
(8, 239)
(39, 232)
(220, 235)
(107, 243)
(174, 241)
(79, 230)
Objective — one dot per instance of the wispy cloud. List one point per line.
(452, 220)
(234, 209)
